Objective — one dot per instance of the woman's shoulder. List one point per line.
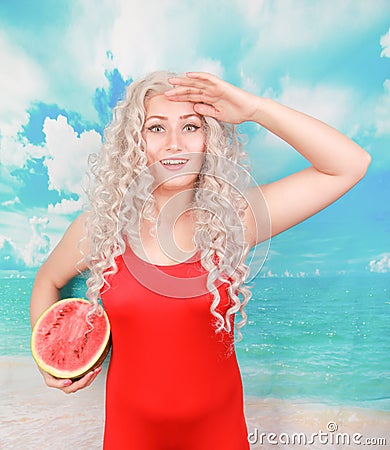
(75, 241)
(78, 227)
(67, 258)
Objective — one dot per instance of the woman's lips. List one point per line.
(174, 163)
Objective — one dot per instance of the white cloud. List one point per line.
(314, 255)
(331, 104)
(65, 154)
(35, 237)
(269, 274)
(21, 81)
(30, 254)
(68, 154)
(158, 34)
(289, 25)
(208, 65)
(15, 151)
(251, 10)
(299, 36)
(382, 115)
(10, 258)
(83, 59)
(328, 103)
(143, 37)
(381, 264)
(38, 247)
(66, 73)
(14, 201)
(385, 44)
(248, 83)
(66, 206)
(288, 274)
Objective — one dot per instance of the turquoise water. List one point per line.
(324, 339)
(315, 339)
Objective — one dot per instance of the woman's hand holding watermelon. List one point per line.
(68, 386)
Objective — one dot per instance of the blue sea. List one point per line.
(319, 339)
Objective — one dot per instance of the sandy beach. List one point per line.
(274, 423)
(36, 417)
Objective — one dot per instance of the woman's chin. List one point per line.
(177, 183)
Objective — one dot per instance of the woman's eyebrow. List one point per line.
(157, 117)
(185, 116)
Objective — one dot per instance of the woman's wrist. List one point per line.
(260, 105)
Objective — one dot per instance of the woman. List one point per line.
(172, 219)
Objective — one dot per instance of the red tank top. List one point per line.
(173, 383)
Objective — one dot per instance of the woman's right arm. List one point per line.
(63, 264)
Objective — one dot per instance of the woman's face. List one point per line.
(175, 142)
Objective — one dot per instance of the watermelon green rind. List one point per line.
(94, 360)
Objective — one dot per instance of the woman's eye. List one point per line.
(156, 128)
(191, 127)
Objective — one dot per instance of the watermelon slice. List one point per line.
(64, 344)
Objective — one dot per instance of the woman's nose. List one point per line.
(173, 141)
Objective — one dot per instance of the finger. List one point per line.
(185, 94)
(67, 385)
(185, 90)
(205, 76)
(77, 385)
(84, 382)
(95, 374)
(205, 110)
(54, 382)
(188, 82)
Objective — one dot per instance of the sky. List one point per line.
(65, 65)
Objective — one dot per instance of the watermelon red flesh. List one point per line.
(64, 343)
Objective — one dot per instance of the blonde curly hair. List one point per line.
(218, 201)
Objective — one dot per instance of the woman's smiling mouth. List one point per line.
(174, 163)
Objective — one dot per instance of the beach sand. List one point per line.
(36, 417)
(321, 426)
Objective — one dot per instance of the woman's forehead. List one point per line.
(160, 105)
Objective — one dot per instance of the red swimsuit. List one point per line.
(173, 383)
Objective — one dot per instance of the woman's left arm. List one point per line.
(337, 163)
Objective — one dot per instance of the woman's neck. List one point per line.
(170, 240)
(172, 204)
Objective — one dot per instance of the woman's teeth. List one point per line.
(173, 162)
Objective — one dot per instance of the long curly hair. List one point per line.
(120, 172)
